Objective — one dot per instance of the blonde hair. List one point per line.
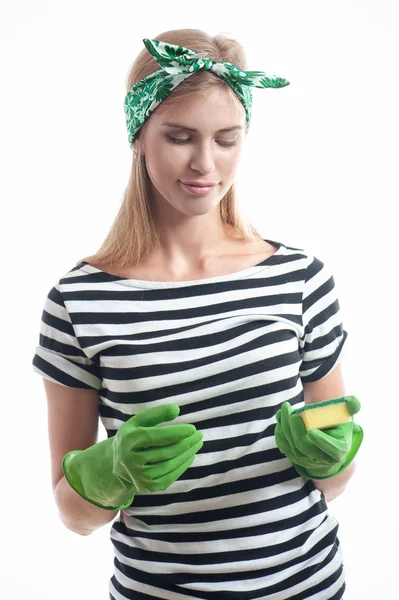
(134, 233)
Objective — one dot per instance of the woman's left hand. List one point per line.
(318, 454)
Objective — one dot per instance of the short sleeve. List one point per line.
(59, 356)
(323, 333)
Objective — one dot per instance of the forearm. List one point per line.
(334, 486)
(78, 514)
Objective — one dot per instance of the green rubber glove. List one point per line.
(318, 454)
(140, 457)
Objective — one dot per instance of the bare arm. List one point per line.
(327, 388)
(334, 486)
(73, 425)
(77, 514)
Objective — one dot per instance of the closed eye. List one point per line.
(185, 140)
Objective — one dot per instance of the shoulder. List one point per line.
(69, 281)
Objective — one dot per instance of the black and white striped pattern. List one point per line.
(240, 523)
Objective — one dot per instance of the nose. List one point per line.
(202, 159)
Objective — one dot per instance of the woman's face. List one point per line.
(174, 155)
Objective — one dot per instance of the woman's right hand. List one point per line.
(140, 457)
(151, 458)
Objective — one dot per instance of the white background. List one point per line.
(319, 171)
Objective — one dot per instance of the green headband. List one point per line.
(177, 64)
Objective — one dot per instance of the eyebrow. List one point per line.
(179, 126)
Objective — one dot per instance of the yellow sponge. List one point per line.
(322, 415)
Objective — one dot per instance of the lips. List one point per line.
(199, 184)
(197, 190)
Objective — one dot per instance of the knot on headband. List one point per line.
(177, 63)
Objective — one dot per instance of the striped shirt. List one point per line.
(240, 523)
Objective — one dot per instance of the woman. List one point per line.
(191, 336)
